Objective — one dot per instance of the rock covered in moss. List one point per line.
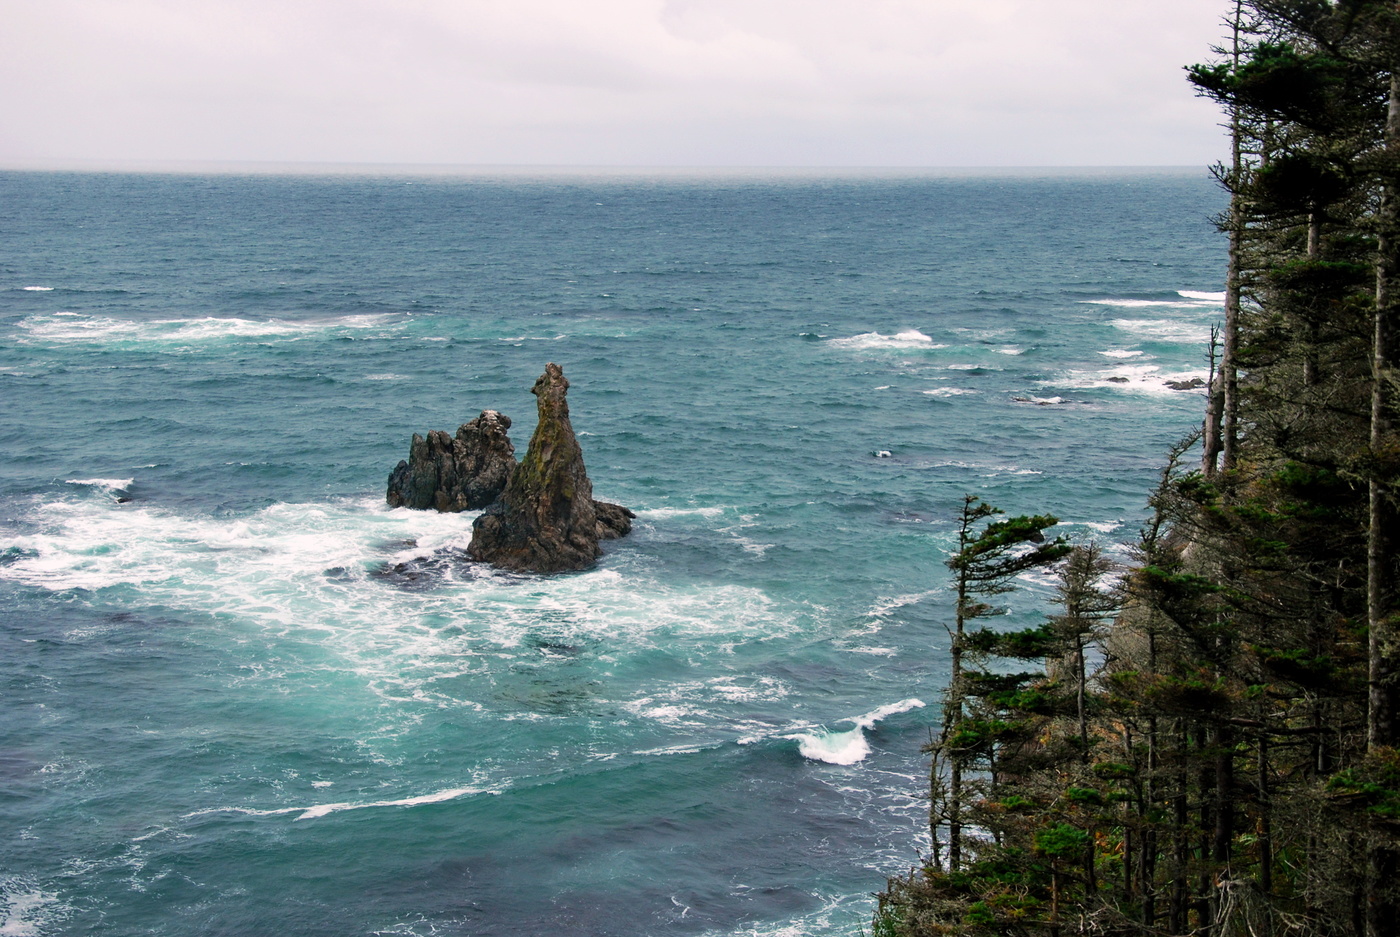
(462, 473)
(546, 520)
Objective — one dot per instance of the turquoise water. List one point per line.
(222, 715)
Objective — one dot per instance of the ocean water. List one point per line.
(223, 712)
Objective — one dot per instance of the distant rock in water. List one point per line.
(546, 520)
(449, 474)
(1192, 384)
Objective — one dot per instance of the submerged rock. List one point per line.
(465, 473)
(546, 520)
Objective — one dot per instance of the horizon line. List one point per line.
(320, 168)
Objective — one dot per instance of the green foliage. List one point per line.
(1026, 644)
(1373, 784)
(1061, 841)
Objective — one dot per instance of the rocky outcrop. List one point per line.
(546, 520)
(614, 520)
(465, 473)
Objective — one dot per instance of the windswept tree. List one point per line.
(986, 562)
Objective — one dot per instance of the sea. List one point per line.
(240, 695)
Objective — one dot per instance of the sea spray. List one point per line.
(849, 746)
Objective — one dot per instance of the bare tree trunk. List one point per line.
(1383, 651)
(1383, 861)
(1229, 352)
(1310, 365)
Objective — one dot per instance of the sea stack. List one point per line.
(448, 474)
(546, 520)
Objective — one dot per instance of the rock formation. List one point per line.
(462, 474)
(546, 520)
(539, 515)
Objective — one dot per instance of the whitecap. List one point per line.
(77, 328)
(1196, 294)
(320, 810)
(666, 513)
(110, 484)
(1120, 353)
(949, 392)
(834, 748)
(36, 289)
(1170, 330)
(1011, 350)
(909, 338)
(1103, 527)
(1039, 401)
(850, 746)
(885, 606)
(1151, 303)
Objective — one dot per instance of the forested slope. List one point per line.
(1207, 743)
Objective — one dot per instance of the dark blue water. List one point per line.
(219, 716)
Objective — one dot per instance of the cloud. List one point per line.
(680, 82)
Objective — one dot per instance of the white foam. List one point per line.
(1120, 353)
(1169, 330)
(949, 392)
(38, 289)
(110, 484)
(75, 328)
(971, 367)
(1039, 401)
(907, 339)
(321, 810)
(1011, 350)
(1199, 301)
(1196, 294)
(850, 746)
(697, 703)
(1138, 379)
(312, 570)
(27, 910)
(667, 513)
(1103, 527)
(834, 748)
(885, 606)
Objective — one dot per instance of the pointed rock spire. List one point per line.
(546, 520)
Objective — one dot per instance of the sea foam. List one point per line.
(69, 328)
(905, 340)
(849, 746)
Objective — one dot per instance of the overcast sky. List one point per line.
(609, 82)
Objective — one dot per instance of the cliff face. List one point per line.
(546, 520)
(449, 474)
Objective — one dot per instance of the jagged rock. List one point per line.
(465, 473)
(546, 520)
(1191, 384)
(614, 520)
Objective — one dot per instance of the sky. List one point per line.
(645, 83)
